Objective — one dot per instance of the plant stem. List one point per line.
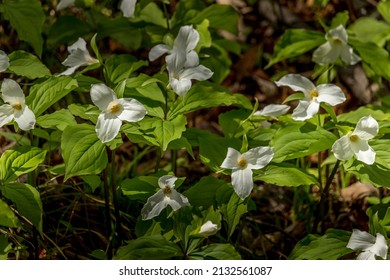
(174, 159)
(118, 226)
(107, 209)
(158, 160)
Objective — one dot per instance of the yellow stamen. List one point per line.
(313, 94)
(167, 190)
(242, 162)
(114, 107)
(17, 106)
(353, 138)
(337, 41)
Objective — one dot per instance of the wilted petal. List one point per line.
(259, 157)
(330, 94)
(102, 96)
(25, 118)
(181, 86)
(64, 4)
(363, 151)
(326, 53)
(273, 110)
(128, 7)
(6, 114)
(167, 180)
(177, 200)
(360, 240)
(366, 128)
(296, 82)
(348, 56)
(342, 148)
(133, 110)
(242, 182)
(208, 228)
(4, 61)
(305, 110)
(231, 159)
(11, 92)
(154, 205)
(107, 127)
(158, 51)
(199, 73)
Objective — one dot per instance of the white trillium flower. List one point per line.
(114, 111)
(167, 195)
(4, 61)
(369, 245)
(356, 143)
(128, 7)
(242, 165)
(16, 109)
(79, 56)
(336, 46)
(273, 110)
(208, 228)
(64, 4)
(309, 106)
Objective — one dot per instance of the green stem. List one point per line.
(174, 159)
(118, 226)
(158, 160)
(107, 210)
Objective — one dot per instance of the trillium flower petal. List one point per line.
(128, 7)
(187, 39)
(192, 60)
(133, 110)
(154, 205)
(11, 92)
(68, 71)
(366, 128)
(305, 110)
(380, 247)
(326, 53)
(331, 94)
(297, 83)
(242, 182)
(4, 61)
(363, 151)
(231, 159)
(158, 51)
(340, 33)
(102, 96)
(342, 148)
(348, 56)
(360, 240)
(167, 180)
(208, 228)
(64, 4)
(181, 86)
(199, 73)
(6, 114)
(273, 110)
(177, 200)
(25, 118)
(107, 127)
(259, 157)
(367, 255)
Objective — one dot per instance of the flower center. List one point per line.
(167, 190)
(242, 162)
(353, 138)
(114, 107)
(313, 94)
(337, 41)
(17, 106)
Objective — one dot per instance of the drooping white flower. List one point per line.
(336, 46)
(16, 109)
(167, 195)
(128, 7)
(114, 111)
(309, 106)
(79, 56)
(64, 4)
(208, 228)
(4, 61)
(242, 165)
(273, 110)
(355, 143)
(369, 245)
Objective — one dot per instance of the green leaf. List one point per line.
(296, 140)
(66, 30)
(45, 94)
(18, 161)
(232, 212)
(217, 60)
(353, 117)
(7, 216)
(86, 112)
(25, 64)
(27, 17)
(205, 192)
(141, 187)
(83, 152)
(340, 18)
(153, 14)
(59, 119)
(371, 30)
(202, 96)
(284, 174)
(120, 67)
(376, 173)
(330, 246)
(5, 246)
(216, 252)
(27, 201)
(204, 35)
(295, 42)
(384, 9)
(231, 123)
(154, 247)
(181, 143)
(19, 139)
